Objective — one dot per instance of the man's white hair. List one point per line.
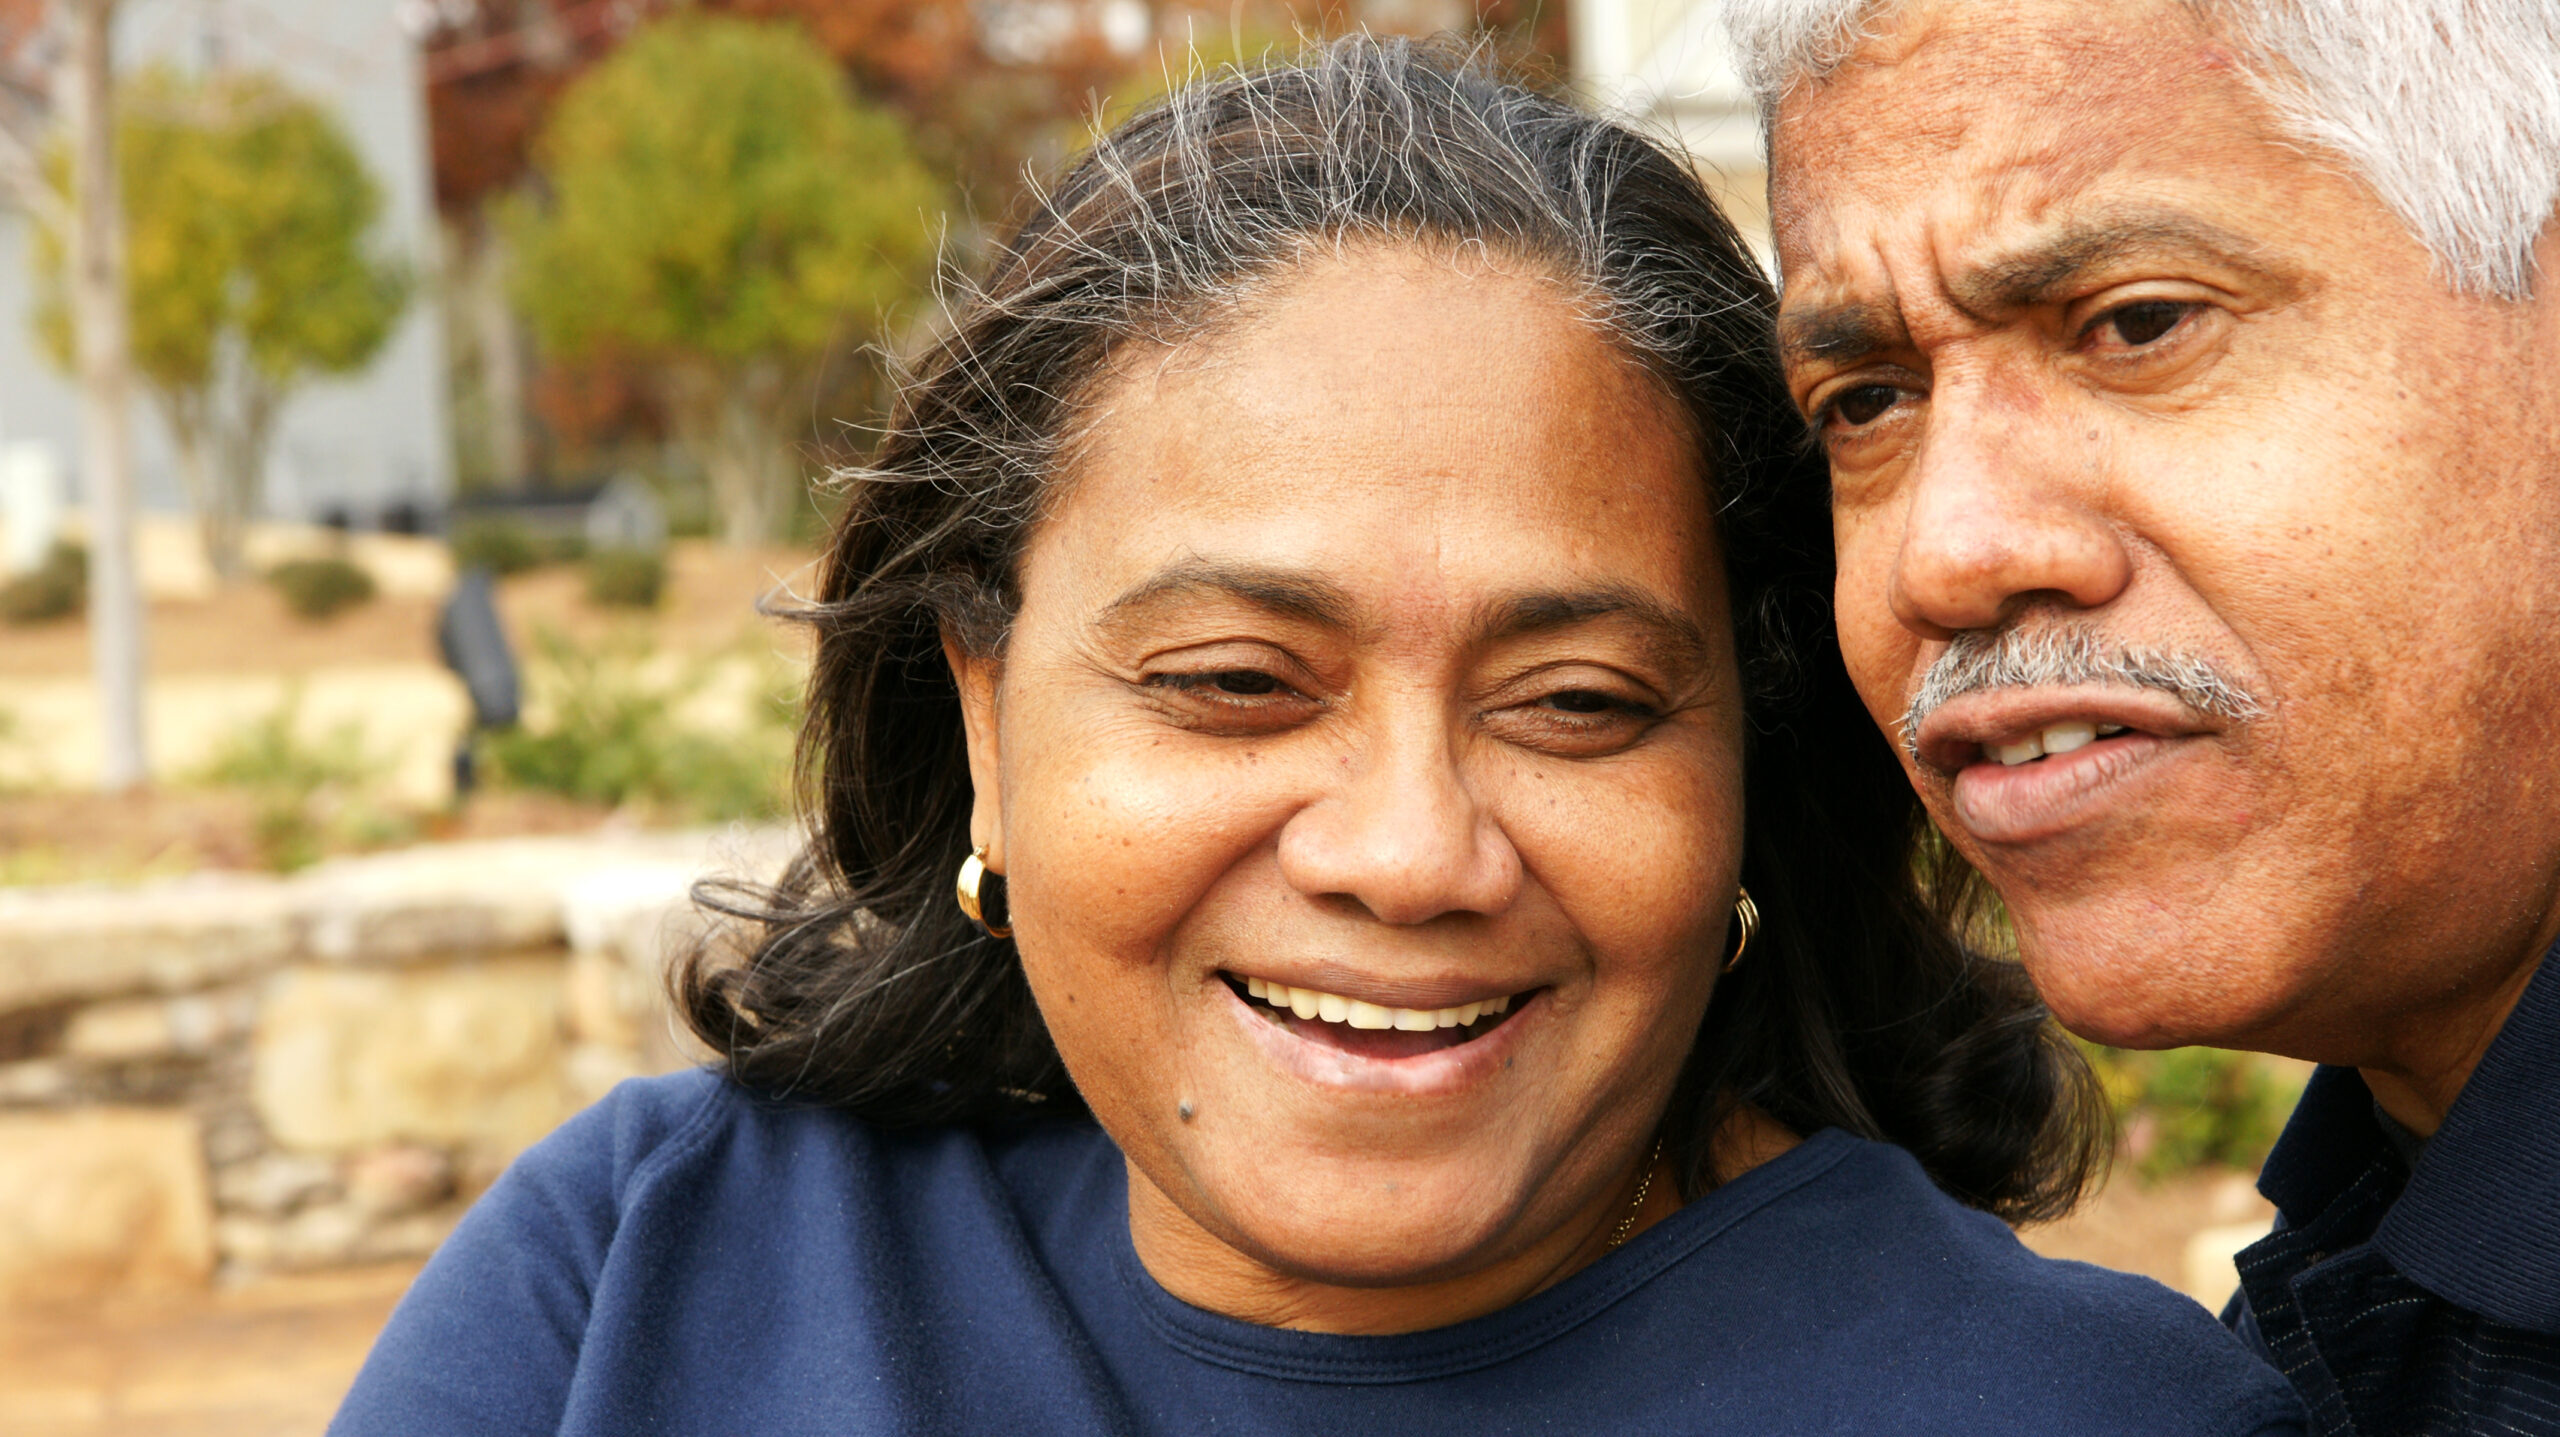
(2448, 109)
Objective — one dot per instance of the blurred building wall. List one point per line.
(1665, 64)
(358, 445)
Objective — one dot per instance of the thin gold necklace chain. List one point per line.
(1644, 1189)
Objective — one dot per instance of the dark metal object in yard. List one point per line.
(475, 648)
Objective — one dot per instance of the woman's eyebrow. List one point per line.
(1673, 638)
(1285, 592)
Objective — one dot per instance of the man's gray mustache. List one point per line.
(1979, 659)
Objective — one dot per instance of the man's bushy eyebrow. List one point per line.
(2030, 275)
(2034, 273)
(1838, 336)
(1840, 330)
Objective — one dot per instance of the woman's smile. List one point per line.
(1339, 1041)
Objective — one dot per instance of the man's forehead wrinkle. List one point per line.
(1844, 158)
(1906, 191)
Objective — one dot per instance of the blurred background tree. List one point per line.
(249, 273)
(987, 89)
(723, 209)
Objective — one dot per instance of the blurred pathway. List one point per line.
(269, 1359)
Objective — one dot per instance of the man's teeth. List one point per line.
(2053, 738)
(1334, 1008)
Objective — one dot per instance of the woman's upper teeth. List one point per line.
(2052, 738)
(1334, 1008)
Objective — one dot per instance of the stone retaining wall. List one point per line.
(226, 1073)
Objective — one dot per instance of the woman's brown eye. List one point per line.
(1864, 404)
(1246, 682)
(1582, 701)
(2139, 324)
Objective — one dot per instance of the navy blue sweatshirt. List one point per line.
(687, 1258)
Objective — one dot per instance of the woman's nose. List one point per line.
(1999, 511)
(1403, 835)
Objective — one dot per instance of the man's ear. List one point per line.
(977, 676)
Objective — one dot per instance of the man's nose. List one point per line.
(2004, 504)
(1402, 834)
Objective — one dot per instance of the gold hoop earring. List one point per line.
(1746, 914)
(973, 874)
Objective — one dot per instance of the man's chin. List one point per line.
(2154, 992)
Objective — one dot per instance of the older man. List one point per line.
(2190, 376)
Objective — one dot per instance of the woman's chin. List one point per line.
(1368, 1204)
(1376, 1225)
(1369, 1157)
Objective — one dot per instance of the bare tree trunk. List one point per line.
(242, 470)
(729, 423)
(100, 337)
(501, 344)
(188, 416)
(752, 452)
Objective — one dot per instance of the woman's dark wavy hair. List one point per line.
(857, 982)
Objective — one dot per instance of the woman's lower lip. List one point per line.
(2023, 803)
(1442, 1070)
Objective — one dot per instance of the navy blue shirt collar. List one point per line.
(2478, 1222)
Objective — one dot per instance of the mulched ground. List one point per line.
(91, 838)
(709, 604)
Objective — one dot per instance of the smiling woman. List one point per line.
(1348, 883)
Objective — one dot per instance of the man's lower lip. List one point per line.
(2021, 803)
(1443, 1070)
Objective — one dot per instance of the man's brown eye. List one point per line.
(2139, 324)
(1247, 682)
(1864, 404)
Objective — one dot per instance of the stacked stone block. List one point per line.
(227, 1074)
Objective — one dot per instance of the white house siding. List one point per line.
(1664, 63)
(360, 444)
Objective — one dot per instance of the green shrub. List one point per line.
(2183, 1108)
(56, 589)
(626, 578)
(307, 790)
(318, 589)
(501, 546)
(612, 732)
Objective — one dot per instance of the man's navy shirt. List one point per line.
(685, 1258)
(2421, 1298)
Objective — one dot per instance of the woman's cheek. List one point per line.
(1645, 897)
(1118, 836)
